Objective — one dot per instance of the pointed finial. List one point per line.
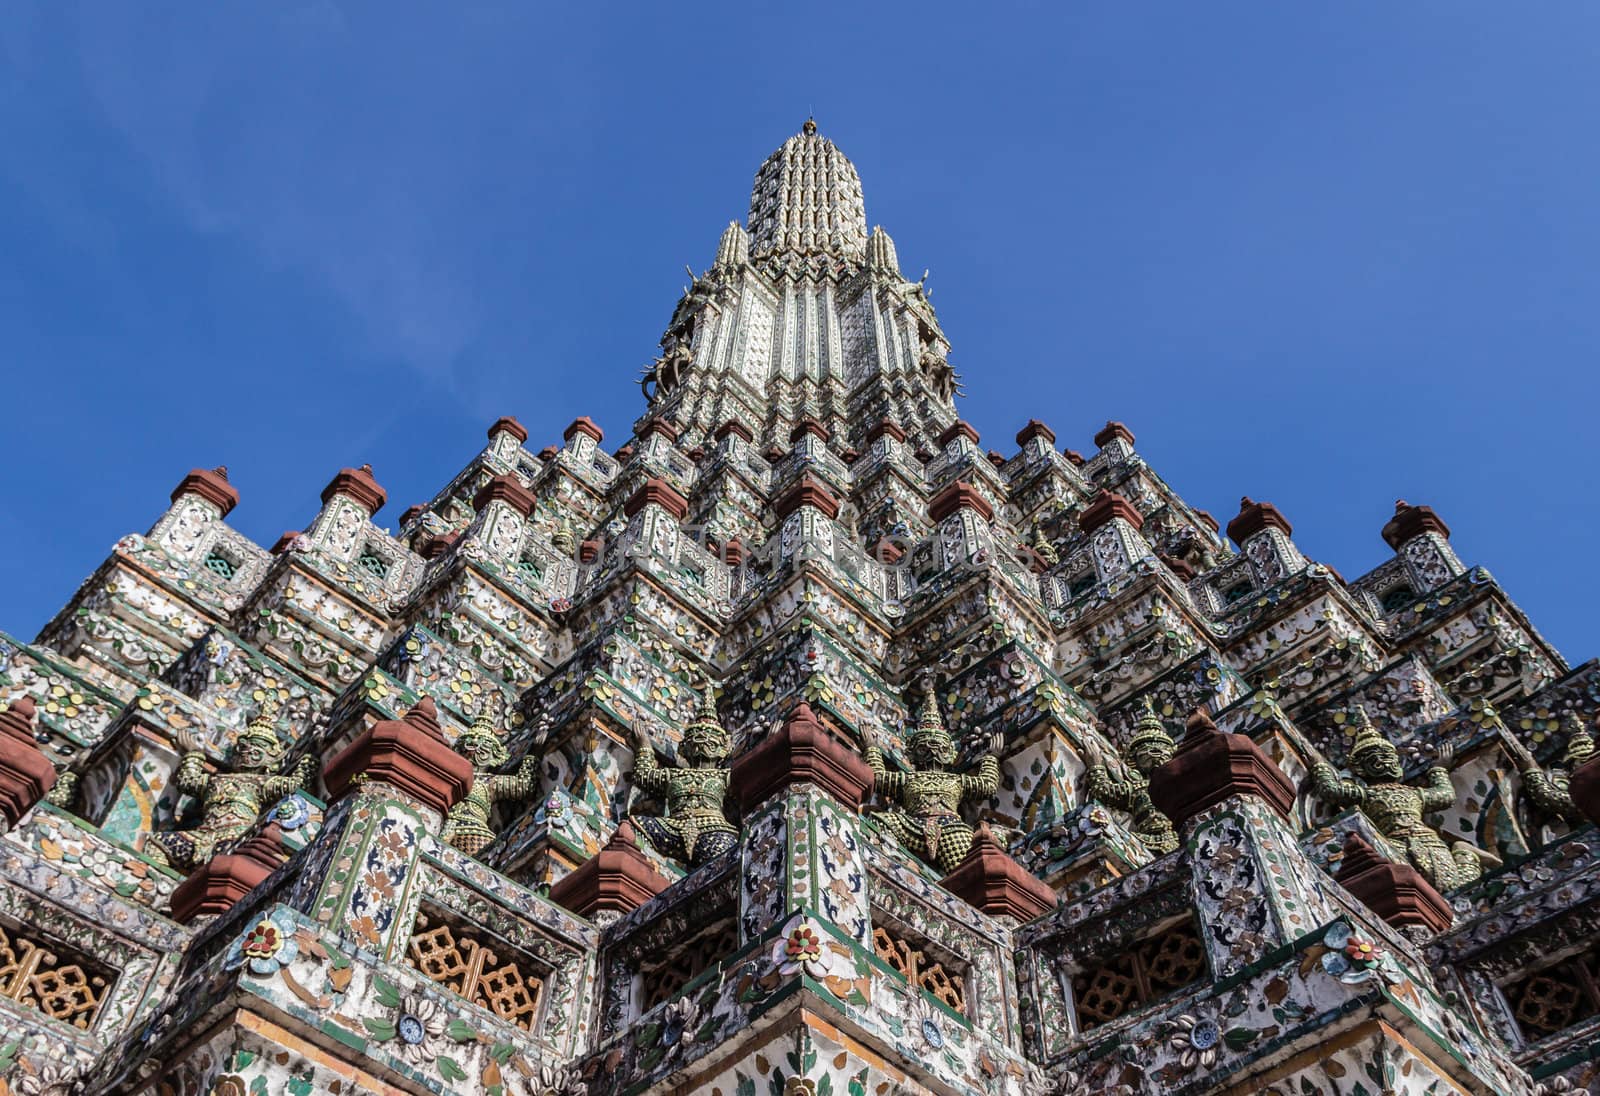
(810, 128)
(269, 706)
(707, 708)
(563, 539)
(1200, 722)
(424, 716)
(734, 247)
(259, 731)
(881, 253)
(487, 718)
(1148, 728)
(1042, 546)
(1580, 746)
(1367, 737)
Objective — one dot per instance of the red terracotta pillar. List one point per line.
(616, 880)
(214, 887)
(802, 751)
(1398, 893)
(996, 884)
(25, 772)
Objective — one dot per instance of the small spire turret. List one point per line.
(734, 247)
(880, 252)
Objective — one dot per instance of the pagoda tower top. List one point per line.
(803, 316)
(807, 199)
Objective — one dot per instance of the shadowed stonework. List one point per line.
(800, 743)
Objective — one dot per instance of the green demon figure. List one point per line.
(467, 825)
(230, 802)
(693, 827)
(1396, 808)
(927, 820)
(1546, 789)
(1128, 789)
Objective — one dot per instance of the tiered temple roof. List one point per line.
(801, 742)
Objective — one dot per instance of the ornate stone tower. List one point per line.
(804, 316)
(796, 745)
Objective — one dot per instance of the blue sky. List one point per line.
(1323, 255)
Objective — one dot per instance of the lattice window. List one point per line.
(221, 566)
(1557, 997)
(38, 973)
(530, 571)
(1082, 584)
(903, 952)
(373, 564)
(1397, 598)
(687, 962)
(481, 969)
(1237, 592)
(1149, 970)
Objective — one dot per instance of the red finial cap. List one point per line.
(1036, 429)
(211, 485)
(357, 485)
(617, 879)
(991, 880)
(1210, 767)
(583, 424)
(1410, 522)
(505, 424)
(1113, 430)
(802, 751)
(507, 489)
(1253, 517)
(409, 754)
(1398, 893)
(1106, 507)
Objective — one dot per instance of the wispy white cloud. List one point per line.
(245, 122)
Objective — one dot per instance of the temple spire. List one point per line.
(807, 199)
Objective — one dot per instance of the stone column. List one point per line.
(389, 792)
(1252, 888)
(800, 793)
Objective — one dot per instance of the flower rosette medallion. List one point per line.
(802, 947)
(1196, 1040)
(1353, 958)
(266, 946)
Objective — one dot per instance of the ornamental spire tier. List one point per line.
(804, 315)
(807, 200)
